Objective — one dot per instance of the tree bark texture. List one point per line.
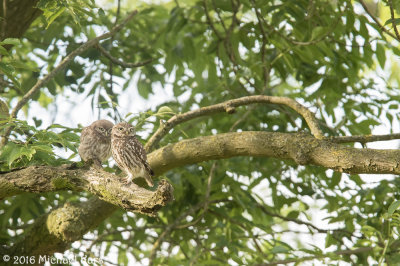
(304, 149)
(17, 16)
(62, 226)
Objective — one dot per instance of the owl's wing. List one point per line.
(143, 157)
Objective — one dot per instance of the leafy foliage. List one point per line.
(325, 54)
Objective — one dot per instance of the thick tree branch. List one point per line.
(302, 148)
(106, 186)
(55, 231)
(40, 83)
(229, 107)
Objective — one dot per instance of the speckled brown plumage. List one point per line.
(129, 153)
(95, 142)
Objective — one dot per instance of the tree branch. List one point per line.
(377, 21)
(363, 138)
(393, 19)
(119, 62)
(229, 107)
(298, 221)
(338, 253)
(106, 186)
(54, 232)
(302, 148)
(40, 83)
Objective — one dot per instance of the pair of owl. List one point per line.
(102, 138)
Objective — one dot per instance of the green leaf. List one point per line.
(3, 51)
(17, 153)
(396, 21)
(393, 207)
(12, 41)
(380, 54)
(279, 249)
(318, 32)
(6, 68)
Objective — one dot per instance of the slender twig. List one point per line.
(219, 15)
(111, 69)
(5, 83)
(119, 62)
(209, 20)
(298, 221)
(264, 44)
(229, 107)
(172, 226)
(340, 252)
(393, 19)
(40, 83)
(377, 21)
(363, 138)
(206, 199)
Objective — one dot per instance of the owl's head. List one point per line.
(123, 129)
(102, 127)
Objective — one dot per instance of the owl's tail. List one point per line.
(148, 178)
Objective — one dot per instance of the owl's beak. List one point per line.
(127, 133)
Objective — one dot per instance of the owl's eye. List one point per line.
(121, 128)
(101, 129)
(131, 129)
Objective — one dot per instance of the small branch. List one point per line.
(340, 252)
(40, 83)
(206, 201)
(227, 106)
(171, 227)
(209, 20)
(393, 22)
(264, 44)
(297, 221)
(4, 83)
(363, 138)
(377, 21)
(119, 62)
(106, 186)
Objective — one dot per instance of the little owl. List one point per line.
(129, 153)
(96, 142)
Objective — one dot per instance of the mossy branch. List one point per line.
(106, 186)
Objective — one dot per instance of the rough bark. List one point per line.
(70, 222)
(304, 149)
(106, 186)
(17, 16)
(54, 232)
